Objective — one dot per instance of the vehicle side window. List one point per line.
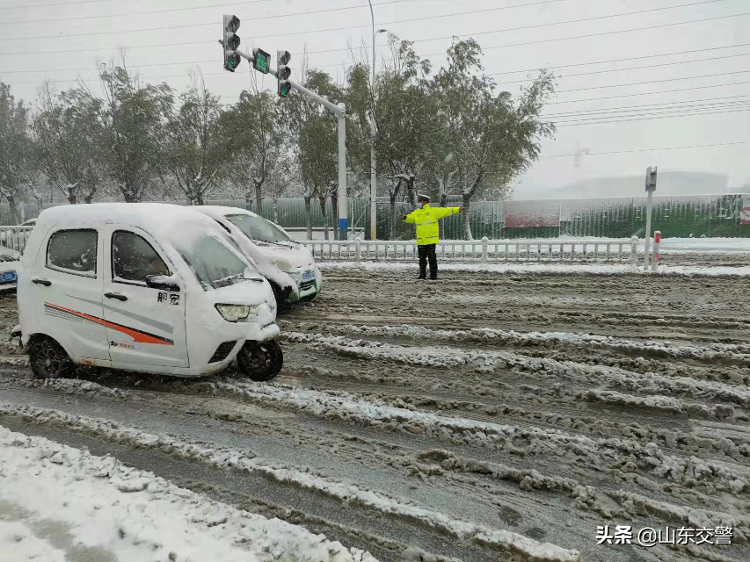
(133, 258)
(73, 251)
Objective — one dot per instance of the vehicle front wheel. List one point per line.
(261, 361)
(48, 360)
(281, 296)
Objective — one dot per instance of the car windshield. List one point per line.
(259, 229)
(213, 264)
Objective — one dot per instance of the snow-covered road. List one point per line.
(484, 417)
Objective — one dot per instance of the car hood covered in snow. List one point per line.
(277, 261)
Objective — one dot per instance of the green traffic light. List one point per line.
(261, 60)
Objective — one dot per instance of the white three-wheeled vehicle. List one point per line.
(142, 287)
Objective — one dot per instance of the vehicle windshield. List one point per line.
(259, 229)
(213, 264)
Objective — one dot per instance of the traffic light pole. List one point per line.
(340, 112)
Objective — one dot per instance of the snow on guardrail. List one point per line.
(482, 251)
(15, 237)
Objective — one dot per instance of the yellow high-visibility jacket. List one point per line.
(426, 219)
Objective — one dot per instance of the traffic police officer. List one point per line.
(428, 232)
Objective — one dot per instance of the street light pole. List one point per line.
(373, 132)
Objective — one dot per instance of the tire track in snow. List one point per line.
(530, 413)
(727, 354)
(548, 369)
(596, 453)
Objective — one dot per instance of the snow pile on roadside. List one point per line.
(226, 458)
(693, 245)
(19, 539)
(104, 505)
(543, 267)
(705, 245)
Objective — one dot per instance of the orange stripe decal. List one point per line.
(137, 335)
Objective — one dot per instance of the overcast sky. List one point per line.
(516, 35)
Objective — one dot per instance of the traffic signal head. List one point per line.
(283, 72)
(261, 60)
(230, 41)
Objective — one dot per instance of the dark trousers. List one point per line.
(427, 252)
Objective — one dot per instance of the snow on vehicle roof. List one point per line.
(156, 218)
(220, 210)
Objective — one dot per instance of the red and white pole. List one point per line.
(657, 243)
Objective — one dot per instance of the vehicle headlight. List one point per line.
(283, 265)
(236, 312)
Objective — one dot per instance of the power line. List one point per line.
(183, 43)
(89, 49)
(652, 93)
(673, 53)
(696, 110)
(691, 147)
(653, 81)
(643, 106)
(53, 4)
(79, 69)
(535, 42)
(410, 20)
(660, 65)
(739, 45)
(206, 6)
(505, 30)
(468, 12)
(676, 116)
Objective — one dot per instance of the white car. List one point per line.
(143, 287)
(287, 264)
(10, 262)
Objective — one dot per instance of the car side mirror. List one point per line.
(163, 282)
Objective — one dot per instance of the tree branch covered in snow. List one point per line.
(197, 148)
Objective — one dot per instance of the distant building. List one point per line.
(669, 183)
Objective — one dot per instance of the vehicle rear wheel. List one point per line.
(261, 361)
(48, 359)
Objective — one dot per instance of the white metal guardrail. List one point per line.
(15, 237)
(482, 251)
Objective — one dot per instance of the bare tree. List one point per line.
(68, 135)
(487, 137)
(313, 131)
(15, 149)
(197, 151)
(134, 117)
(252, 124)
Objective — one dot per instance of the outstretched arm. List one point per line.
(408, 218)
(448, 211)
